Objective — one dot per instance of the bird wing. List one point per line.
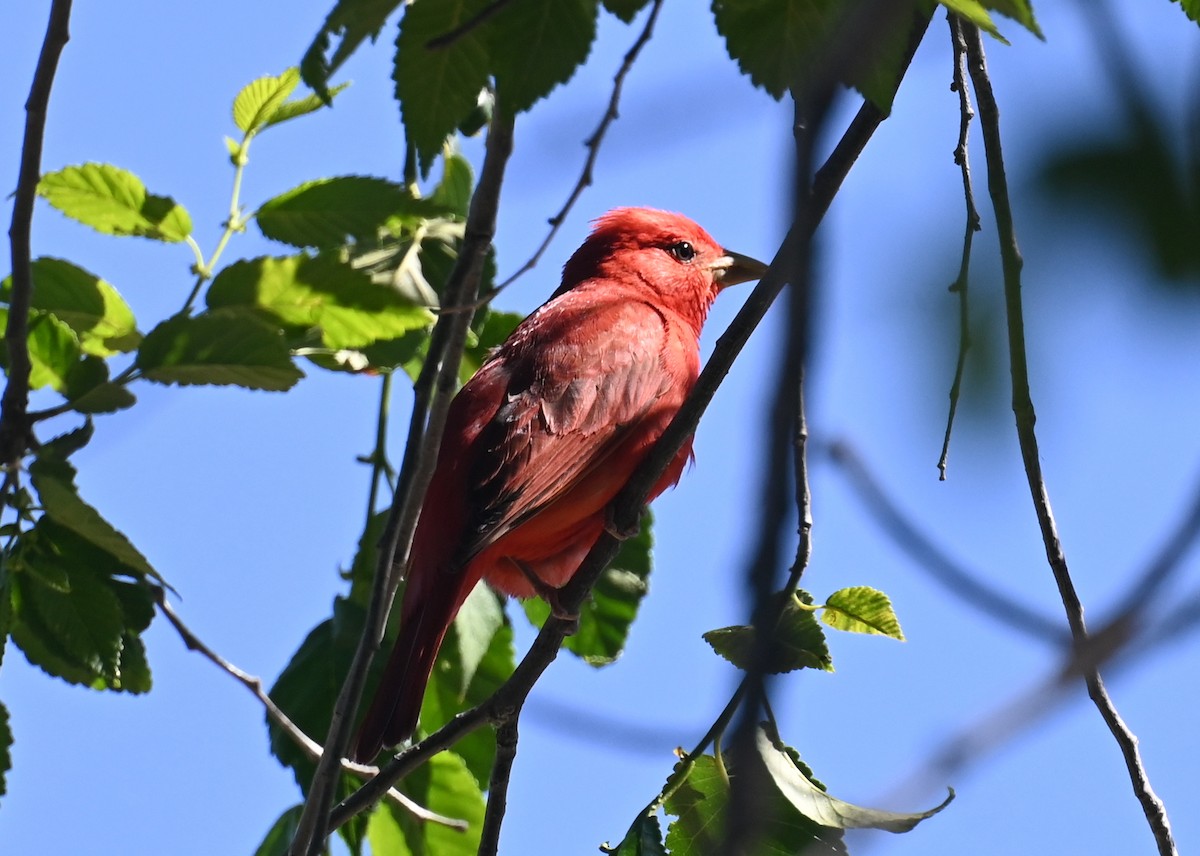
(580, 386)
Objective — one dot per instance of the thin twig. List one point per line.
(1010, 256)
(438, 376)
(965, 114)
(593, 146)
(497, 801)
(480, 18)
(16, 432)
(964, 584)
(283, 722)
(627, 507)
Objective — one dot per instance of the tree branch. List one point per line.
(16, 429)
(439, 376)
(310, 747)
(1152, 806)
(966, 113)
(593, 146)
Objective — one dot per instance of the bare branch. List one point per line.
(497, 802)
(438, 377)
(593, 146)
(310, 747)
(16, 430)
(989, 115)
(966, 113)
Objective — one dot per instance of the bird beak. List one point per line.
(732, 268)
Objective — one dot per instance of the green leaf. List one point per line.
(303, 106)
(223, 347)
(781, 44)
(817, 805)
(1191, 8)
(626, 10)
(279, 837)
(318, 292)
(352, 21)
(862, 609)
(6, 742)
(438, 89)
(1019, 10)
(453, 192)
(53, 479)
(258, 102)
(605, 618)
(328, 211)
(536, 45)
(114, 201)
(89, 390)
(53, 352)
(92, 308)
(699, 800)
(442, 785)
(644, 838)
(799, 642)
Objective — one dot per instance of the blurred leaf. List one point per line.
(351, 21)
(644, 838)
(605, 618)
(89, 390)
(1191, 8)
(6, 742)
(318, 292)
(778, 43)
(223, 347)
(799, 642)
(302, 106)
(442, 785)
(862, 609)
(53, 352)
(536, 45)
(817, 805)
(328, 211)
(1020, 11)
(438, 89)
(92, 308)
(68, 443)
(114, 201)
(279, 837)
(257, 103)
(453, 192)
(626, 10)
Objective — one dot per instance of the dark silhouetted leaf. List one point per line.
(536, 45)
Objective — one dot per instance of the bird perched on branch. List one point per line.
(544, 436)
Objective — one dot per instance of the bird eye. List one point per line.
(683, 251)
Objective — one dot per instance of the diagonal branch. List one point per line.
(435, 386)
(1010, 256)
(593, 146)
(16, 430)
(310, 747)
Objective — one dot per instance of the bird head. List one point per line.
(667, 255)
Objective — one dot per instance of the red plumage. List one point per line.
(544, 436)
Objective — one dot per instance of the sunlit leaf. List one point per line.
(258, 102)
(798, 642)
(444, 786)
(115, 202)
(279, 837)
(862, 609)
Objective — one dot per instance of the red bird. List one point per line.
(544, 436)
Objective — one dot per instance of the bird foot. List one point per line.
(618, 532)
(549, 594)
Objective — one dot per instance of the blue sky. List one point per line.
(249, 502)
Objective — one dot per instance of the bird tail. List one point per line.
(392, 716)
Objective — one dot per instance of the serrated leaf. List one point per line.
(605, 618)
(1020, 11)
(92, 308)
(6, 742)
(89, 390)
(781, 44)
(537, 44)
(279, 837)
(221, 347)
(68, 443)
(442, 785)
(626, 10)
(977, 13)
(53, 352)
(699, 802)
(318, 292)
(862, 609)
(644, 838)
(330, 211)
(114, 201)
(256, 104)
(453, 192)
(438, 89)
(302, 106)
(819, 806)
(352, 21)
(799, 642)
(1191, 8)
